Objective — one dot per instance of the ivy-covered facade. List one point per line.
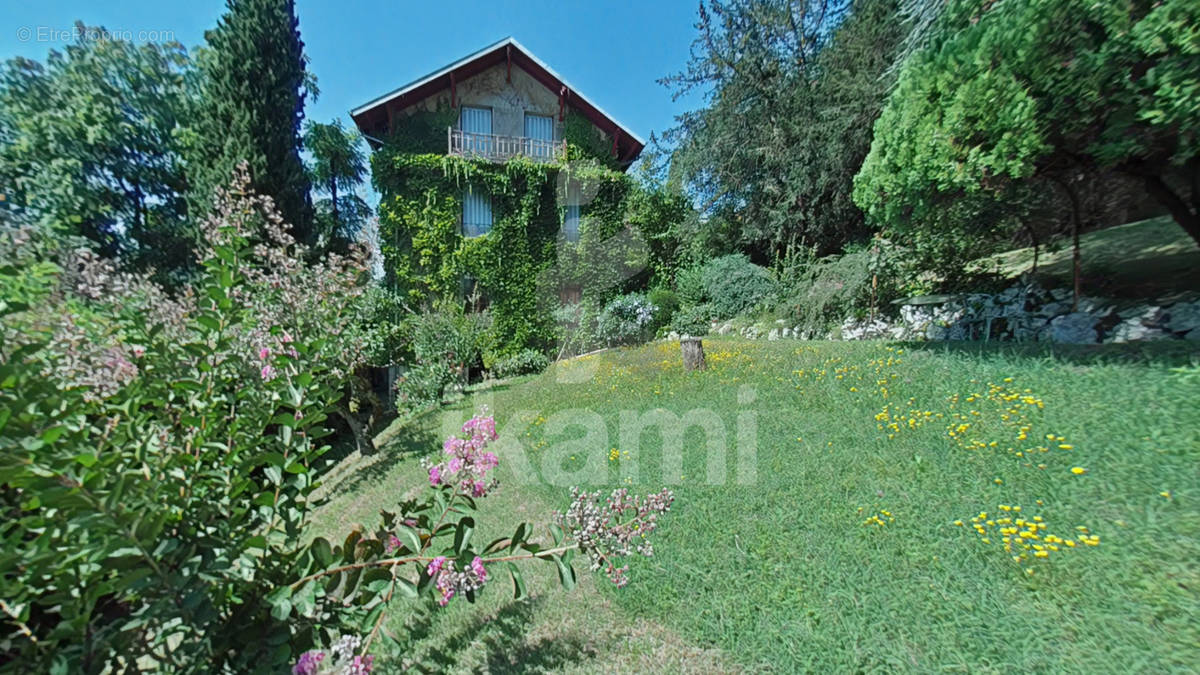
(519, 224)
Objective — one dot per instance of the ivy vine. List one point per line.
(524, 263)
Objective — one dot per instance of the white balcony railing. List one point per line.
(499, 148)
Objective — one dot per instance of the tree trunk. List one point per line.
(1033, 238)
(360, 408)
(1187, 217)
(693, 353)
(333, 201)
(1076, 264)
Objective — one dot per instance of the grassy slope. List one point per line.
(1148, 259)
(783, 574)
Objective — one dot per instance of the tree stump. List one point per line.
(693, 353)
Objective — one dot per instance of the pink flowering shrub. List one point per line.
(159, 455)
(159, 452)
(426, 549)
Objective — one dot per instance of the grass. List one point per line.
(1152, 258)
(841, 552)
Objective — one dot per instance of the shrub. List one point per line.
(575, 328)
(733, 285)
(667, 302)
(423, 385)
(523, 362)
(694, 321)
(446, 345)
(159, 456)
(818, 293)
(689, 283)
(626, 319)
(158, 451)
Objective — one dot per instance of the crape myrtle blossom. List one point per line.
(616, 528)
(468, 461)
(343, 659)
(450, 581)
(606, 529)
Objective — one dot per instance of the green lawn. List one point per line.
(789, 569)
(1152, 258)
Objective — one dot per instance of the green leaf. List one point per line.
(280, 600)
(566, 573)
(519, 536)
(52, 434)
(409, 538)
(322, 551)
(407, 588)
(518, 581)
(305, 601)
(462, 534)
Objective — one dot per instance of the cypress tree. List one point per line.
(252, 108)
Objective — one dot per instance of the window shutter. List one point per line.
(539, 130)
(477, 213)
(571, 221)
(476, 121)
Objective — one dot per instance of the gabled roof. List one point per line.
(369, 115)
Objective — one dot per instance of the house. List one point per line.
(508, 103)
(501, 182)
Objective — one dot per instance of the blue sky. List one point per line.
(612, 51)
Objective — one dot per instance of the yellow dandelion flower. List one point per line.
(1077, 470)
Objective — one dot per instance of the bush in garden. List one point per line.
(667, 302)
(626, 319)
(159, 455)
(424, 385)
(576, 324)
(446, 345)
(694, 321)
(733, 285)
(689, 283)
(156, 452)
(818, 293)
(521, 363)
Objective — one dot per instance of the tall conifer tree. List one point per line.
(254, 90)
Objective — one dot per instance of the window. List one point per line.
(571, 221)
(477, 213)
(571, 294)
(539, 136)
(476, 125)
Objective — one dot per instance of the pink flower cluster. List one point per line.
(264, 354)
(468, 462)
(345, 659)
(449, 581)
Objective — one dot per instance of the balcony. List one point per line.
(496, 148)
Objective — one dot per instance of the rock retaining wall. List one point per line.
(1025, 312)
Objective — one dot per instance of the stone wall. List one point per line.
(1025, 312)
